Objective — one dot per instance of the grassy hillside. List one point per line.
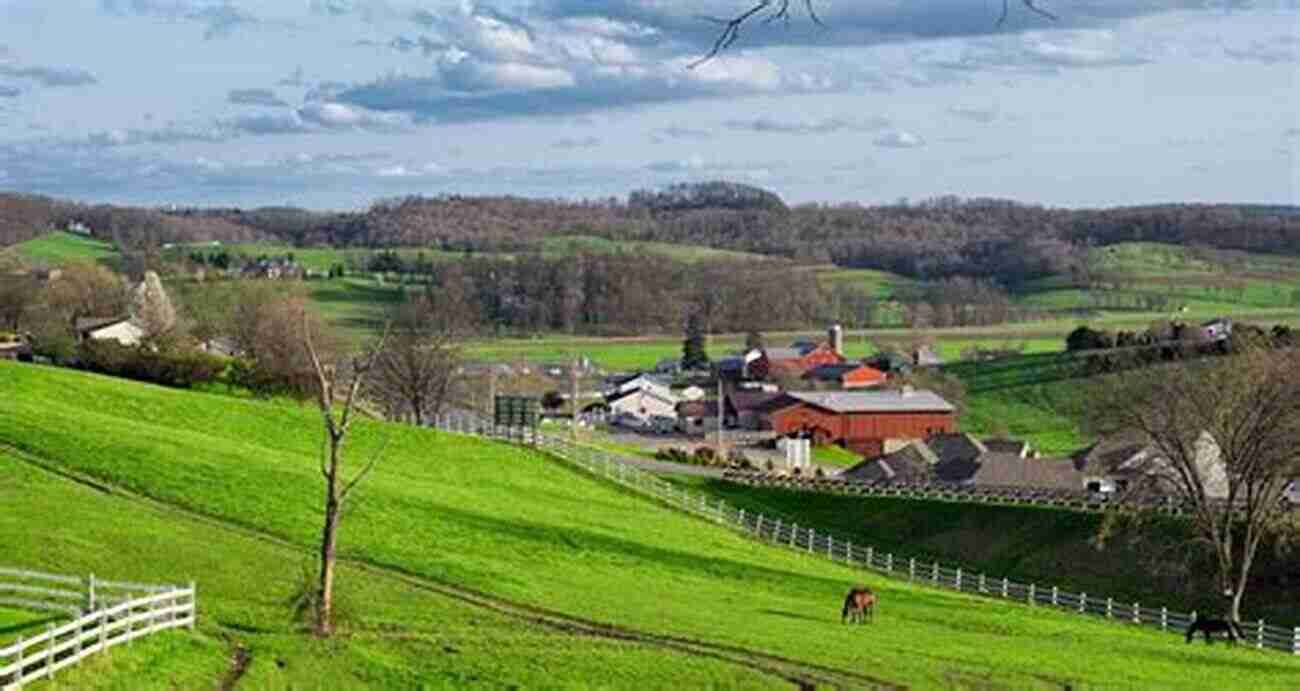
(1026, 544)
(61, 248)
(1036, 397)
(399, 635)
(524, 529)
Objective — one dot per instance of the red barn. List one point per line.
(797, 360)
(847, 375)
(864, 421)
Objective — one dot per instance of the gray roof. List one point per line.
(952, 447)
(1010, 470)
(876, 401)
(1016, 446)
(783, 354)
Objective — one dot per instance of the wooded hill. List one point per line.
(938, 238)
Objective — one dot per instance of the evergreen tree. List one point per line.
(694, 356)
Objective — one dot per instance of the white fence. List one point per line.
(788, 533)
(103, 614)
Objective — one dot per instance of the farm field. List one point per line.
(522, 528)
(62, 247)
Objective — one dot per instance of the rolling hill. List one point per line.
(225, 490)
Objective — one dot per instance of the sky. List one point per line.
(334, 104)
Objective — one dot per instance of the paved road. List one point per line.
(671, 468)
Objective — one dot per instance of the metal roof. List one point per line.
(876, 401)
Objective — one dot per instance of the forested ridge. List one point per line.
(938, 238)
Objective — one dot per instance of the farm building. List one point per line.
(964, 460)
(120, 329)
(698, 416)
(867, 422)
(847, 375)
(1119, 462)
(746, 408)
(639, 381)
(637, 407)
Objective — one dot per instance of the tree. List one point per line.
(152, 309)
(18, 296)
(328, 384)
(1225, 436)
(768, 11)
(416, 370)
(1084, 338)
(694, 356)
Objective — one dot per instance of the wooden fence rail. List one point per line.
(785, 532)
(99, 621)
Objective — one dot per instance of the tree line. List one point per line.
(938, 238)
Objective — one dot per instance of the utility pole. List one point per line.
(573, 398)
(720, 450)
(492, 394)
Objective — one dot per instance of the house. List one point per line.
(912, 464)
(866, 422)
(745, 408)
(637, 407)
(638, 381)
(1120, 462)
(694, 417)
(847, 375)
(121, 329)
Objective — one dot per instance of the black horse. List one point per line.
(859, 606)
(1214, 626)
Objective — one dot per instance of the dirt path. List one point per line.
(803, 675)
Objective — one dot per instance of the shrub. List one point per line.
(705, 455)
(179, 369)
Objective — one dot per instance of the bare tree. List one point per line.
(1224, 440)
(329, 385)
(415, 371)
(770, 11)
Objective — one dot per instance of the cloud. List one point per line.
(220, 17)
(1037, 53)
(49, 76)
(255, 97)
(982, 116)
(9, 91)
(577, 143)
(898, 139)
(405, 171)
(680, 132)
(343, 116)
(823, 126)
(296, 78)
(1275, 50)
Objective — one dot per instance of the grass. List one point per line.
(516, 525)
(61, 247)
(834, 456)
(1025, 544)
(1035, 397)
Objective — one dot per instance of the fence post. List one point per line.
(194, 603)
(1083, 603)
(889, 562)
(1164, 618)
(758, 528)
(741, 518)
(90, 593)
(911, 569)
(19, 661)
(1109, 605)
(871, 556)
(794, 530)
(1004, 588)
(1054, 596)
(848, 552)
(934, 573)
(49, 652)
(959, 578)
(1137, 614)
(1295, 642)
(103, 629)
(982, 579)
(830, 553)
(1259, 635)
(776, 532)
(812, 537)
(1030, 598)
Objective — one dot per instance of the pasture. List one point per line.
(61, 247)
(518, 528)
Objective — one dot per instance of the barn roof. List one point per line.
(876, 401)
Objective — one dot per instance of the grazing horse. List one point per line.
(1211, 626)
(859, 605)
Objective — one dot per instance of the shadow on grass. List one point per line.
(33, 624)
(800, 617)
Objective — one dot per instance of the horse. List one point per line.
(1212, 626)
(859, 605)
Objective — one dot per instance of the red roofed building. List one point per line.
(863, 421)
(847, 375)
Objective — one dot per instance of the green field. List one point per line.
(235, 504)
(62, 248)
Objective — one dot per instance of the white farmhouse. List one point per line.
(640, 407)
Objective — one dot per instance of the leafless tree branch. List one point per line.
(769, 11)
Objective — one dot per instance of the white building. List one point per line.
(120, 329)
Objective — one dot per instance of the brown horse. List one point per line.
(859, 606)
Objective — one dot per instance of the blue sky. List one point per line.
(335, 103)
